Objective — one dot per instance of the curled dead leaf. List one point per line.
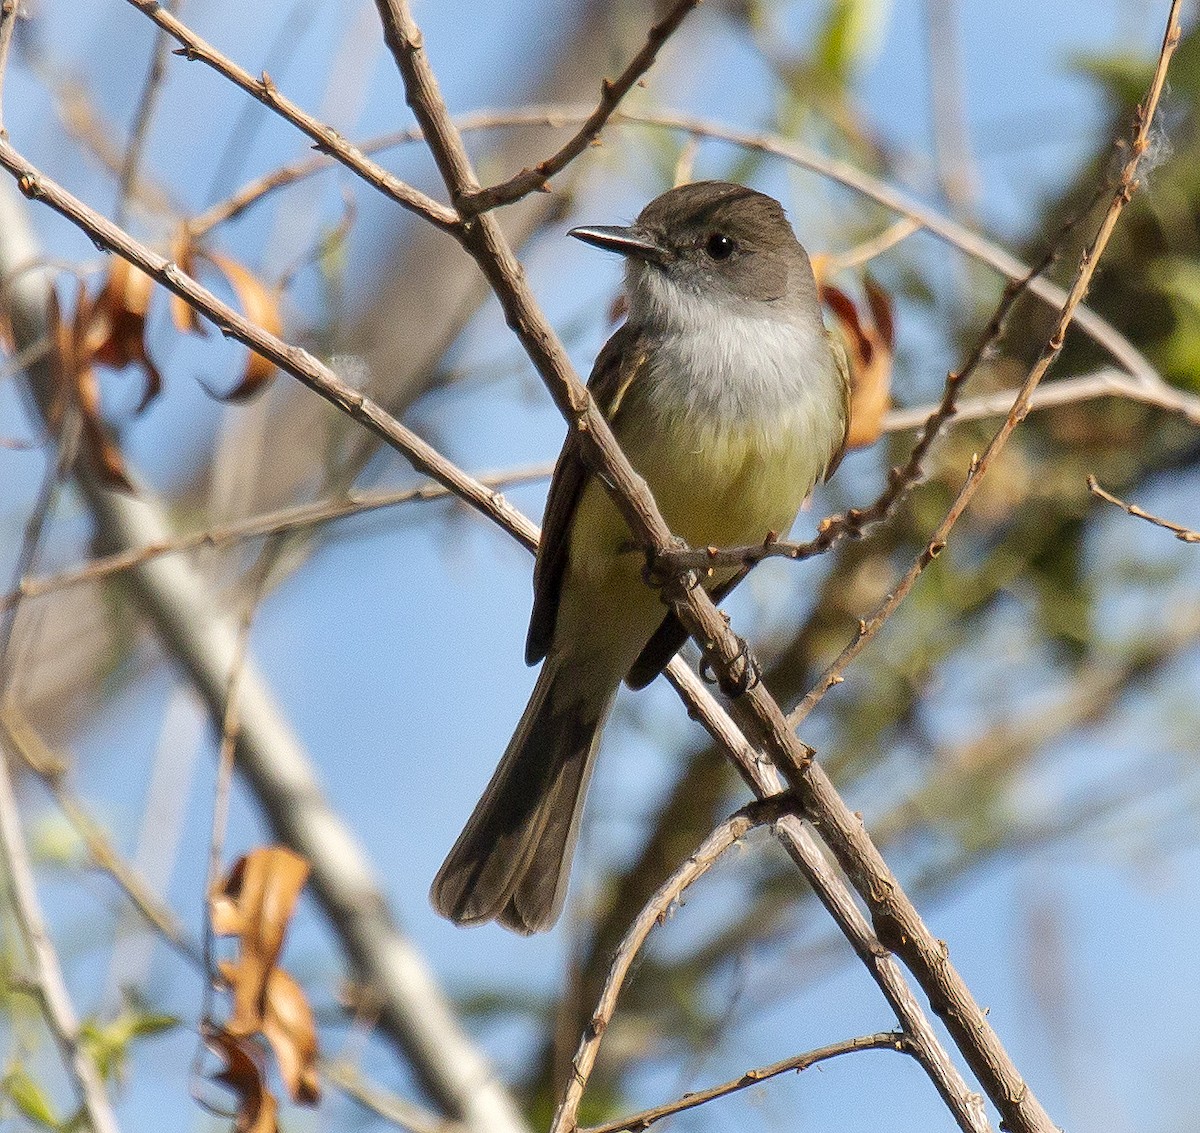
(116, 327)
(76, 387)
(870, 349)
(291, 1029)
(244, 1075)
(260, 304)
(255, 903)
(185, 317)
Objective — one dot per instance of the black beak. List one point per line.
(632, 241)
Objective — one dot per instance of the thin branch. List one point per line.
(654, 912)
(1062, 391)
(1125, 188)
(554, 115)
(8, 20)
(143, 115)
(57, 466)
(413, 1012)
(328, 140)
(296, 518)
(24, 741)
(634, 1123)
(1183, 534)
(56, 1002)
(797, 838)
(399, 1111)
(611, 94)
(291, 359)
(895, 233)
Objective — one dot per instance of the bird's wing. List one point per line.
(843, 368)
(616, 367)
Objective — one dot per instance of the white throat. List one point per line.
(727, 362)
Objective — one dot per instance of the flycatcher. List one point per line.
(728, 396)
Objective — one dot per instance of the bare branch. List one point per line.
(24, 741)
(328, 140)
(143, 115)
(56, 1002)
(611, 93)
(655, 911)
(1126, 186)
(884, 1040)
(798, 840)
(296, 518)
(414, 1014)
(1183, 534)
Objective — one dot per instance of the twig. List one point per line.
(884, 1040)
(47, 974)
(57, 466)
(1063, 391)
(142, 117)
(895, 233)
(654, 912)
(831, 890)
(291, 359)
(1183, 534)
(288, 519)
(611, 93)
(1126, 185)
(8, 20)
(399, 1111)
(942, 227)
(951, 145)
(328, 140)
(413, 1012)
(25, 742)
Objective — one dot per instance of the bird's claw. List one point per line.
(743, 674)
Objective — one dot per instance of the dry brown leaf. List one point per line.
(291, 1029)
(870, 349)
(75, 384)
(116, 330)
(260, 304)
(255, 903)
(185, 317)
(257, 1109)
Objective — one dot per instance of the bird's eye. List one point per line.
(719, 246)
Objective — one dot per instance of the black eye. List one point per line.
(719, 246)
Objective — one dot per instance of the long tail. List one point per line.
(512, 861)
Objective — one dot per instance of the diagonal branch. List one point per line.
(328, 139)
(634, 1123)
(1183, 534)
(56, 1002)
(414, 1013)
(1127, 184)
(611, 93)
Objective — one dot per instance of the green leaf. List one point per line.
(27, 1096)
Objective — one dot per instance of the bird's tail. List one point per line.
(512, 861)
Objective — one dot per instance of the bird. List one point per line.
(730, 398)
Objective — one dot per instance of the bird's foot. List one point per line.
(739, 677)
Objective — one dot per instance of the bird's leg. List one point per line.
(737, 678)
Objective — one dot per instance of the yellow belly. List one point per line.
(713, 490)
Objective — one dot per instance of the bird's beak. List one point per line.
(631, 241)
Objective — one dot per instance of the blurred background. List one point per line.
(1023, 739)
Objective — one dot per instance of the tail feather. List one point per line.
(512, 861)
